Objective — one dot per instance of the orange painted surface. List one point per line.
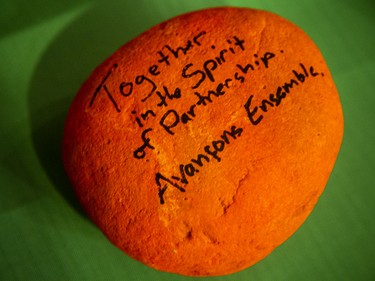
(205, 142)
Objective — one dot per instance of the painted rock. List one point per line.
(204, 143)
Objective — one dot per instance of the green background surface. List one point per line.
(48, 48)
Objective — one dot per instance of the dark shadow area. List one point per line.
(16, 15)
(64, 66)
(365, 7)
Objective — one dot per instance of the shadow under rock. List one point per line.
(64, 66)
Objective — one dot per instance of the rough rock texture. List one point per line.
(205, 142)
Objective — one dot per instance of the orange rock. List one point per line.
(205, 142)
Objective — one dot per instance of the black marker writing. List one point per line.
(103, 85)
(264, 59)
(180, 50)
(143, 117)
(189, 170)
(210, 65)
(140, 152)
(275, 99)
